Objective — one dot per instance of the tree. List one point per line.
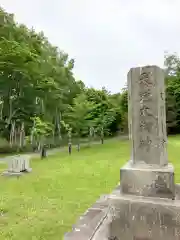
(40, 131)
(39, 91)
(34, 77)
(124, 110)
(79, 116)
(172, 70)
(102, 123)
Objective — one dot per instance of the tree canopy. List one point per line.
(37, 85)
(39, 94)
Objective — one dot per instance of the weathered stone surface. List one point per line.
(17, 165)
(102, 232)
(144, 218)
(148, 172)
(90, 222)
(121, 212)
(177, 191)
(147, 180)
(146, 206)
(147, 118)
(12, 174)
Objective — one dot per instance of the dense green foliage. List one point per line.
(172, 70)
(39, 94)
(41, 100)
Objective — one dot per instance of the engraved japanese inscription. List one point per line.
(145, 143)
(147, 115)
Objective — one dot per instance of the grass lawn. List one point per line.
(46, 203)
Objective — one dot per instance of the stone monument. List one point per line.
(17, 165)
(146, 205)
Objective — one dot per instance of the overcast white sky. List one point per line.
(105, 37)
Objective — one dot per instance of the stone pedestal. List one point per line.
(134, 217)
(128, 217)
(90, 222)
(146, 206)
(147, 180)
(17, 165)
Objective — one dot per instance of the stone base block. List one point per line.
(12, 174)
(127, 217)
(148, 180)
(16, 174)
(27, 170)
(90, 222)
(141, 218)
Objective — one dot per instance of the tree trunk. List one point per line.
(12, 134)
(21, 135)
(91, 135)
(102, 135)
(43, 152)
(59, 126)
(69, 142)
(1, 111)
(69, 148)
(39, 145)
(15, 137)
(78, 147)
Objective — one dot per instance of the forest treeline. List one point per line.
(41, 101)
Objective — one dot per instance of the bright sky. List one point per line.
(105, 37)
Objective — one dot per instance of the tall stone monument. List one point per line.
(148, 172)
(147, 121)
(146, 205)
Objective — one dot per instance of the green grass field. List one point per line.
(44, 204)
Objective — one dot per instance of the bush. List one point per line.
(6, 149)
(50, 143)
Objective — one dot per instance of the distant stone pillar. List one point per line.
(147, 115)
(17, 165)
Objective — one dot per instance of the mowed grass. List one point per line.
(44, 204)
(174, 155)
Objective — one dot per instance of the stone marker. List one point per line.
(44, 151)
(147, 115)
(17, 165)
(146, 205)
